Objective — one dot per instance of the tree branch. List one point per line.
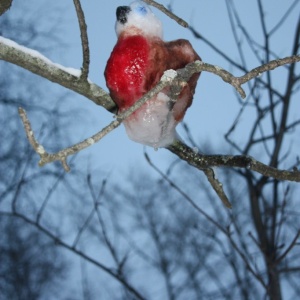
(62, 155)
(185, 195)
(85, 256)
(237, 82)
(4, 6)
(70, 78)
(167, 12)
(84, 40)
(217, 186)
(289, 248)
(38, 64)
(200, 162)
(177, 79)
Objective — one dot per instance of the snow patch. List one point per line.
(38, 55)
(169, 75)
(90, 141)
(40, 150)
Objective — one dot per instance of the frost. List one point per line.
(195, 150)
(38, 55)
(40, 149)
(163, 97)
(72, 71)
(169, 75)
(218, 68)
(153, 124)
(199, 62)
(90, 141)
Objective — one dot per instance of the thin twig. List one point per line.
(185, 195)
(69, 78)
(201, 162)
(59, 178)
(62, 155)
(167, 12)
(85, 256)
(217, 186)
(289, 248)
(42, 66)
(96, 202)
(83, 228)
(4, 6)
(84, 40)
(246, 261)
(176, 78)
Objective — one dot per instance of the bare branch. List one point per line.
(186, 196)
(217, 186)
(84, 40)
(246, 261)
(63, 154)
(4, 6)
(83, 255)
(108, 242)
(237, 82)
(273, 64)
(201, 162)
(289, 269)
(231, 61)
(289, 248)
(83, 228)
(38, 64)
(167, 12)
(59, 178)
(284, 17)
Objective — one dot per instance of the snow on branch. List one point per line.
(167, 12)
(37, 63)
(70, 78)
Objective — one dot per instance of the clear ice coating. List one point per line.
(153, 124)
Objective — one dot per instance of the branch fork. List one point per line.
(169, 78)
(70, 78)
(177, 80)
